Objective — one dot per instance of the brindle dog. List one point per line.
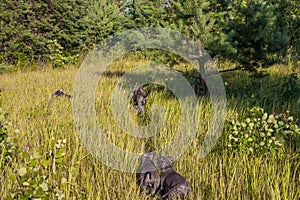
(172, 184)
(148, 177)
(139, 98)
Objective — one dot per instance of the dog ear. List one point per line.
(135, 87)
(164, 161)
(170, 159)
(58, 92)
(151, 155)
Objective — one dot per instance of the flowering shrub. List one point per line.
(263, 133)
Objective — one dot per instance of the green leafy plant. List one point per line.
(262, 133)
(31, 182)
(8, 145)
(33, 175)
(5, 68)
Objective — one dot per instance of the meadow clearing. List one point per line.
(42, 157)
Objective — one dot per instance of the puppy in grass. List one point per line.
(139, 98)
(147, 176)
(172, 184)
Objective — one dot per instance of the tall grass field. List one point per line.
(256, 157)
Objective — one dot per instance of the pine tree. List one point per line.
(201, 20)
(198, 19)
(254, 32)
(30, 28)
(288, 15)
(104, 19)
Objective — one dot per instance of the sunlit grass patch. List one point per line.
(59, 166)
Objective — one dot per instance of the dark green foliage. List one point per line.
(201, 20)
(290, 87)
(288, 13)
(29, 29)
(26, 29)
(251, 33)
(150, 14)
(284, 90)
(254, 32)
(280, 91)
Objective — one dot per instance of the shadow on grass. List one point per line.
(112, 74)
(275, 92)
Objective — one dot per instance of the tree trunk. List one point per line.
(200, 87)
